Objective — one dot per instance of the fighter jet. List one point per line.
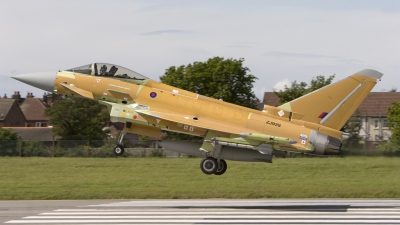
(308, 125)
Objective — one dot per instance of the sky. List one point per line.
(281, 41)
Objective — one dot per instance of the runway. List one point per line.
(215, 211)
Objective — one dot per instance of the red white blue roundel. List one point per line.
(153, 94)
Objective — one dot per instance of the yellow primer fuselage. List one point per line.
(181, 111)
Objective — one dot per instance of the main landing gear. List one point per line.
(211, 165)
(119, 148)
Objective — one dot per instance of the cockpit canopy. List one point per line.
(108, 70)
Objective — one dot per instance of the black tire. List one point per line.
(209, 165)
(118, 150)
(221, 167)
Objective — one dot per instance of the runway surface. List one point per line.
(216, 211)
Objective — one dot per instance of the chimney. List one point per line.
(45, 98)
(29, 95)
(16, 95)
(50, 100)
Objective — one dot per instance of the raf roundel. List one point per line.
(153, 94)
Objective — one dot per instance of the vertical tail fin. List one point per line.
(333, 105)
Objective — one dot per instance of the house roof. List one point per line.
(374, 105)
(33, 109)
(33, 133)
(377, 104)
(270, 98)
(5, 106)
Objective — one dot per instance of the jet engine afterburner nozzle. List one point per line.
(324, 144)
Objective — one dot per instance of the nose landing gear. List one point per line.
(119, 148)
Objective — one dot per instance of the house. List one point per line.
(33, 109)
(23, 112)
(11, 114)
(373, 112)
(270, 98)
(25, 116)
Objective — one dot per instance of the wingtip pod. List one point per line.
(370, 73)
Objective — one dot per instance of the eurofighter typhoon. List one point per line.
(309, 125)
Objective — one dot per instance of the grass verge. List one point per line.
(176, 178)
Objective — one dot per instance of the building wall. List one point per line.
(375, 129)
(15, 117)
(37, 123)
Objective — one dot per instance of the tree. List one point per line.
(78, 119)
(218, 78)
(7, 135)
(353, 127)
(8, 142)
(394, 122)
(297, 90)
(393, 146)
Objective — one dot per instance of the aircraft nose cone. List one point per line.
(44, 80)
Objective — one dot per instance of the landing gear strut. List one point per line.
(119, 148)
(211, 165)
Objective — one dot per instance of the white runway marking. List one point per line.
(180, 221)
(224, 212)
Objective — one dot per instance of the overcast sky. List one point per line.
(281, 41)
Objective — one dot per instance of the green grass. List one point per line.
(156, 178)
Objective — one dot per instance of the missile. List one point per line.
(268, 138)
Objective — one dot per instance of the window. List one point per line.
(376, 123)
(41, 124)
(385, 123)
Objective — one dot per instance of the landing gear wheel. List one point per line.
(118, 150)
(222, 166)
(209, 165)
